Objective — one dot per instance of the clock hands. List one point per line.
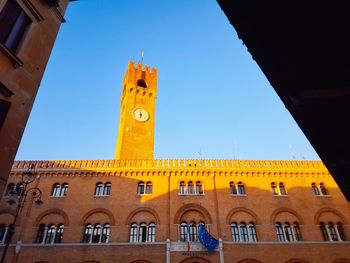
(140, 115)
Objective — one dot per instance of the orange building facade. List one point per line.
(137, 209)
(28, 30)
(160, 195)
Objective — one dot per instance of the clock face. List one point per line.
(140, 114)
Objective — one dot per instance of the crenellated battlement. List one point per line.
(175, 164)
(140, 71)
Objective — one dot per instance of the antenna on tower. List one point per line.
(292, 151)
(235, 151)
(200, 152)
(142, 54)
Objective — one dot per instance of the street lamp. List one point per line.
(21, 192)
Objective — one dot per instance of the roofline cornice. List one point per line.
(171, 164)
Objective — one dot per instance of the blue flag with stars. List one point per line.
(206, 239)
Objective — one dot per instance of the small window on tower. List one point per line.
(141, 83)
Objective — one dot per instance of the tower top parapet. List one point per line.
(141, 75)
(140, 67)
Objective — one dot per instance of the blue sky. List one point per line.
(212, 97)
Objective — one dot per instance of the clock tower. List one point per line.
(137, 107)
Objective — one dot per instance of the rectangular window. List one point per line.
(133, 233)
(252, 233)
(235, 233)
(183, 232)
(4, 108)
(151, 233)
(243, 233)
(182, 188)
(142, 233)
(14, 22)
(279, 233)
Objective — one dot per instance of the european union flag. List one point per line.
(206, 239)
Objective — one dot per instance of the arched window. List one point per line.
(59, 190)
(105, 233)
(288, 232)
(233, 190)
(192, 232)
(235, 232)
(133, 233)
(243, 232)
(87, 233)
(240, 188)
(341, 232)
(50, 234)
(99, 189)
(140, 188)
(199, 188)
(3, 232)
(324, 232)
(274, 188)
(332, 232)
(190, 188)
(182, 188)
(64, 189)
(151, 232)
(97, 233)
(252, 233)
(59, 234)
(319, 190)
(189, 232)
(323, 189)
(148, 188)
(19, 189)
(279, 232)
(40, 236)
(315, 189)
(297, 232)
(141, 83)
(282, 189)
(107, 188)
(183, 232)
(10, 188)
(143, 232)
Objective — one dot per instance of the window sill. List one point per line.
(245, 242)
(238, 195)
(191, 194)
(94, 243)
(280, 195)
(53, 196)
(101, 195)
(143, 194)
(142, 243)
(323, 196)
(10, 55)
